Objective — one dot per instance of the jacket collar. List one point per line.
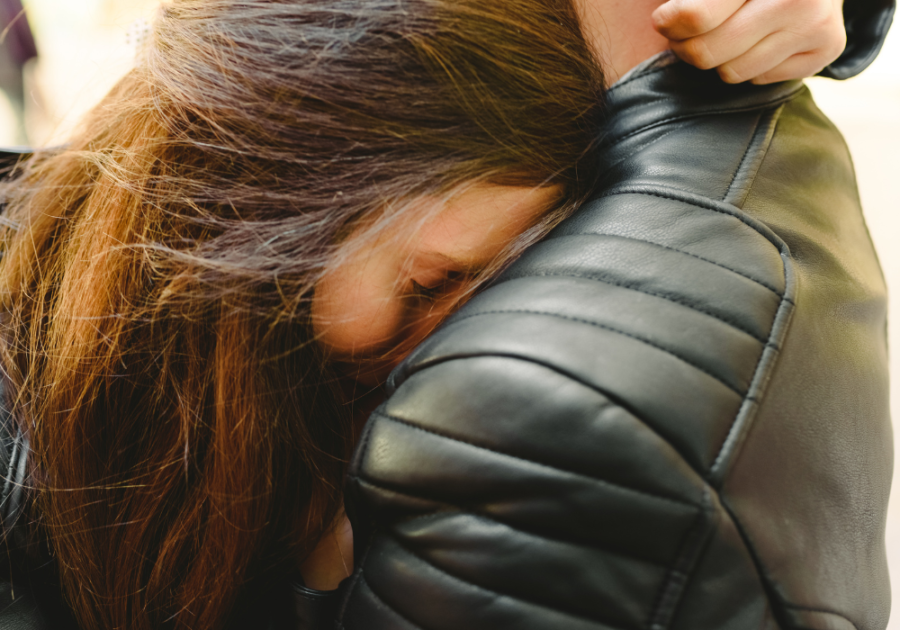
(657, 95)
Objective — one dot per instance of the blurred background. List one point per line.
(84, 46)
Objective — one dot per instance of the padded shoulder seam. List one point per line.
(361, 580)
(761, 283)
(465, 509)
(699, 201)
(603, 482)
(657, 294)
(603, 624)
(742, 423)
(612, 329)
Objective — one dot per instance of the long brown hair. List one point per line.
(188, 445)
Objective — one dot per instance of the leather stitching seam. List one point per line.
(737, 434)
(623, 404)
(381, 601)
(496, 594)
(712, 262)
(671, 194)
(603, 482)
(603, 327)
(823, 611)
(714, 112)
(762, 139)
(680, 572)
(750, 145)
(680, 251)
(348, 599)
(468, 509)
(663, 296)
(747, 398)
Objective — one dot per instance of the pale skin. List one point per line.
(394, 289)
(763, 41)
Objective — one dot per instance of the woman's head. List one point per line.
(392, 110)
(186, 267)
(394, 285)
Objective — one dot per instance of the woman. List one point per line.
(159, 345)
(203, 289)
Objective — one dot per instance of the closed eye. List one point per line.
(430, 294)
(450, 282)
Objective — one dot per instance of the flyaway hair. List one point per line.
(189, 443)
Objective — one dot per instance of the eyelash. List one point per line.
(430, 294)
(433, 293)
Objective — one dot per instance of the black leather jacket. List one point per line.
(670, 414)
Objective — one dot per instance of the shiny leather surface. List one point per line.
(579, 503)
(671, 413)
(866, 21)
(311, 608)
(18, 611)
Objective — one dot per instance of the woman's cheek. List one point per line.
(354, 312)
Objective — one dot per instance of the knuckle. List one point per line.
(823, 19)
(827, 43)
(666, 14)
(730, 75)
(812, 20)
(697, 53)
(695, 17)
(809, 7)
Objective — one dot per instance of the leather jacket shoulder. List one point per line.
(671, 413)
(588, 432)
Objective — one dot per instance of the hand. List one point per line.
(762, 41)
(332, 559)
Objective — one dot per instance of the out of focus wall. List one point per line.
(85, 47)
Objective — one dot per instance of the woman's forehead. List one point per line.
(471, 228)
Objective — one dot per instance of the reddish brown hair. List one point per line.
(188, 444)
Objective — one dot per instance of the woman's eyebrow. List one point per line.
(469, 267)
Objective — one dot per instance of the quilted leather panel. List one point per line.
(624, 449)
(503, 454)
(431, 598)
(589, 418)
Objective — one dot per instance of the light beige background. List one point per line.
(85, 47)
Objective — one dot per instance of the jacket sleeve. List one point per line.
(544, 460)
(560, 509)
(18, 609)
(867, 23)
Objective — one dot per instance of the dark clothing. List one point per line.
(671, 413)
(867, 23)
